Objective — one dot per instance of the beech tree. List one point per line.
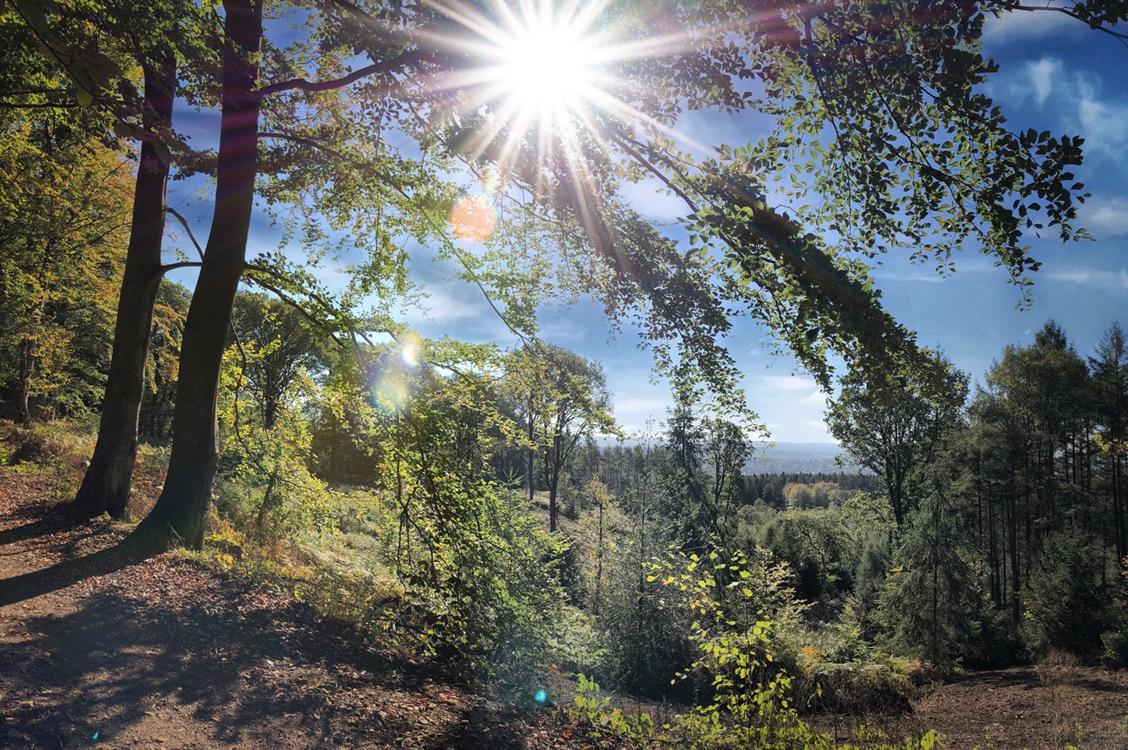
(86, 55)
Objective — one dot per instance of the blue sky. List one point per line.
(1055, 74)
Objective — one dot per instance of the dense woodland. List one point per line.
(477, 504)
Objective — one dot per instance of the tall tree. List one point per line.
(1110, 383)
(179, 512)
(106, 485)
(893, 423)
(578, 408)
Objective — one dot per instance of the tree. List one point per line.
(64, 204)
(284, 346)
(169, 311)
(577, 407)
(106, 485)
(179, 512)
(726, 452)
(930, 602)
(1110, 385)
(894, 423)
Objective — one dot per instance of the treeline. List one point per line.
(1009, 506)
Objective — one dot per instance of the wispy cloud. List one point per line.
(1095, 277)
(651, 199)
(916, 277)
(1042, 75)
(1102, 122)
(1106, 217)
(814, 398)
(1022, 26)
(789, 382)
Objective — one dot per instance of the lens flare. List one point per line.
(472, 218)
(391, 392)
(410, 350)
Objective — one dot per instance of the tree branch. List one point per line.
(384, 66)
(184, 223)
(185, 264)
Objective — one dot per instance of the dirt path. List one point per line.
(1032, 707)
(104, 651)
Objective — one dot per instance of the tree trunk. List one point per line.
(529, 458)
(553, 513)
(178, 516)
(105, 488)
(267, 505)
(23, 383)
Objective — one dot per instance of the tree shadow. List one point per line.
(484, 726)
(246, 675)
(47, 523)
(69, 572)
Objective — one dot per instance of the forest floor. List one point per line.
(1040, 707)
(98, 649)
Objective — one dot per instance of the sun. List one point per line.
(547, 70)
(536, 64)
(544, 82)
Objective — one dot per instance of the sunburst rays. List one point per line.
(543, 79)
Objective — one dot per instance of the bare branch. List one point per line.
(384, 66)
(184, 223)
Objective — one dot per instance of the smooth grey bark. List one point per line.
(178, 516)
(106, 486)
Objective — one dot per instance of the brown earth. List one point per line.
(1040, 707)
(101, 649)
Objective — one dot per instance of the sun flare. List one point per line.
(545, 80)
(548, 70)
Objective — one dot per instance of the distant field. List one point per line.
(799, 458)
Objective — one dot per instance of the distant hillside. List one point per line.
(797, 458)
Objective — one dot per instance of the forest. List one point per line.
(247, 499)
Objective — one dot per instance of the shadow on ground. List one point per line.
(117, 661)
(167, 651)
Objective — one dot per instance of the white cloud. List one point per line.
(441, 307)
(789, 382)
(818, 433)
(1087, 107)
(920, 278)
(1104, 124)
(1106, 217)
(815, 398)
(1092, 277)
(653, 201)
(1023, 25)
(642, 405)
(1041, 75)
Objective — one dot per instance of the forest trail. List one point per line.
(164, 653)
